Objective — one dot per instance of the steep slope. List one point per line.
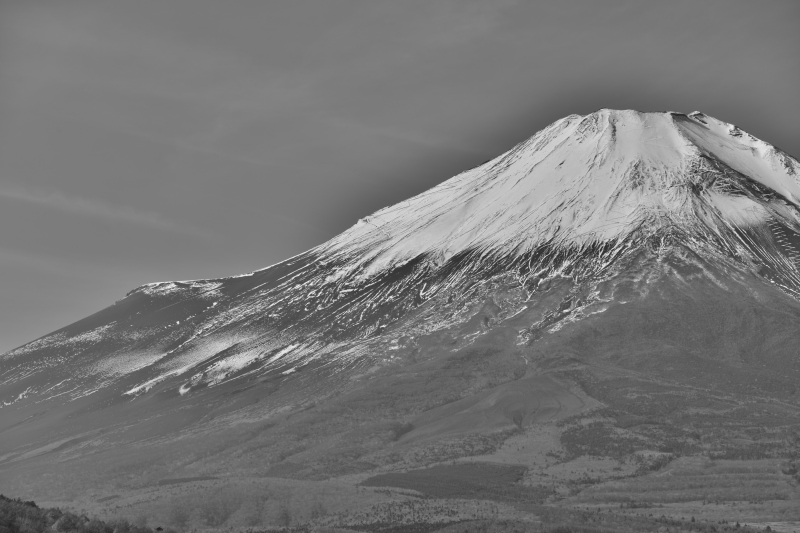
(656, 249)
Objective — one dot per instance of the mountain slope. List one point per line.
(611, 256)
(577, 195)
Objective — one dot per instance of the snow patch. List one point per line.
(127, 362)
(24, 394)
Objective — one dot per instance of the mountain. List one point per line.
(617, 295)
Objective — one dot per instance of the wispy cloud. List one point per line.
(55, 266)
(96, 208)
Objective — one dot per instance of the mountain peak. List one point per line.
(584, 179)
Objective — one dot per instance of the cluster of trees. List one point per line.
(236, 507)
(17, 516)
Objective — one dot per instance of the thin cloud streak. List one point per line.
(96, 208)
(56, 266)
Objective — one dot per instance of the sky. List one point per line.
(148, 141)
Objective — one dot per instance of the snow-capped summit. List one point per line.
(583, 179)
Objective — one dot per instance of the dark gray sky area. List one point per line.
(149, 140)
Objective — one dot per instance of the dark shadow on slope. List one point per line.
(479, 481)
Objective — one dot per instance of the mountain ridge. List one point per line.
(766, 150)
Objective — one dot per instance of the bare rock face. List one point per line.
(642, 265)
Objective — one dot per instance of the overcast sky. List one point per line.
(145, 141)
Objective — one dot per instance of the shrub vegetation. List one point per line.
(17, 516)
